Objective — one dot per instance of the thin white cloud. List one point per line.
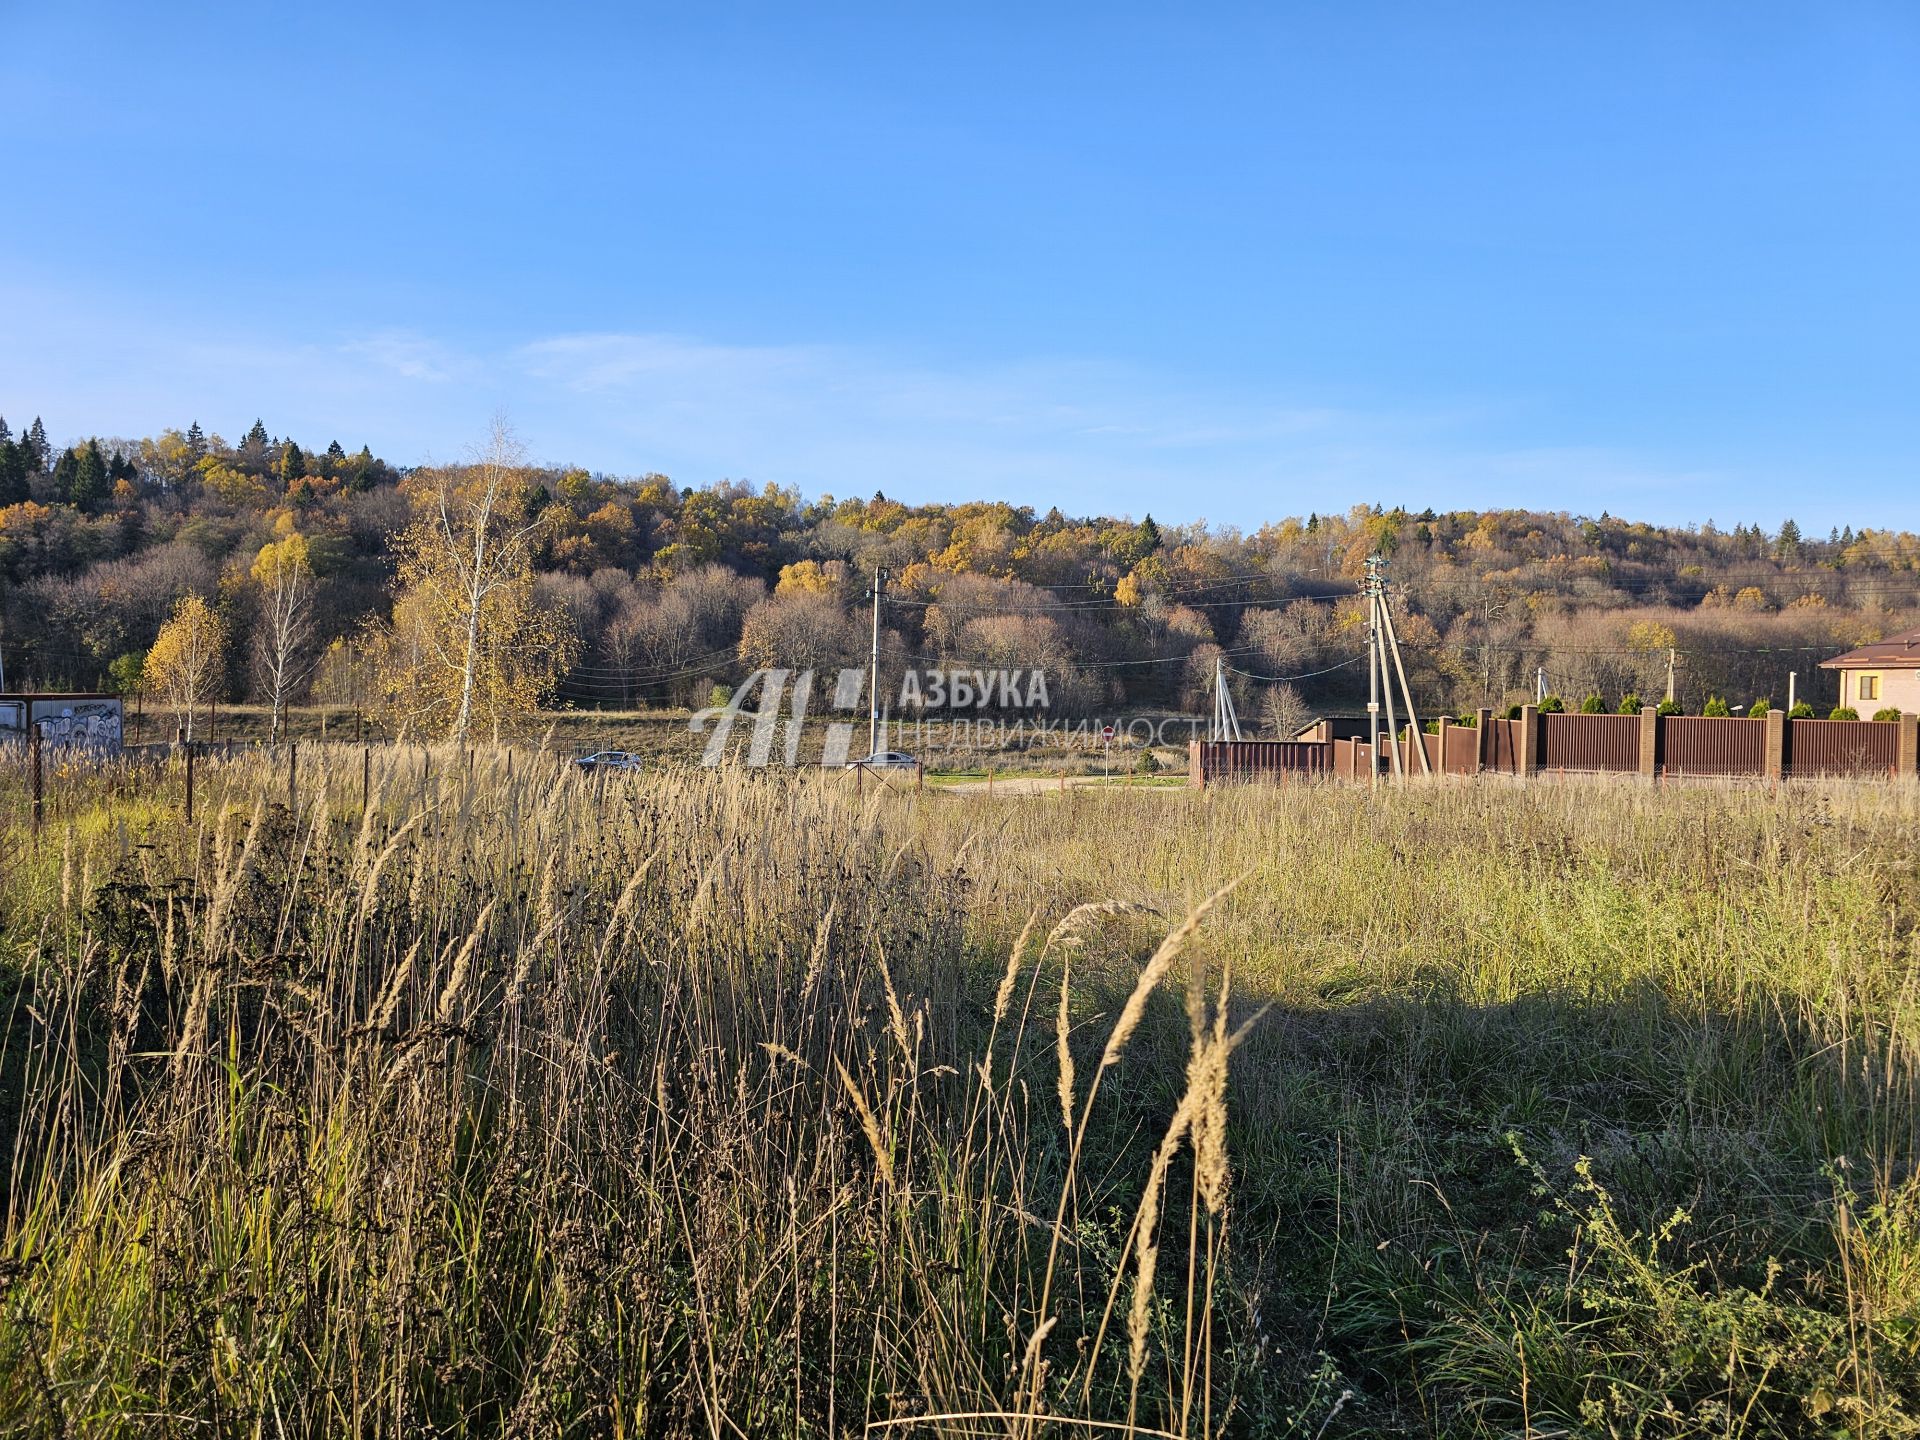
(1090, 436)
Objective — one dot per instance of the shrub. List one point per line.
(1760, 708)
(1670, 707)
(718, 696)
(1593, 705)
(1715, 707)
(1552, 705)
(1513, 712)
(1801, 711)
(1631, 703)
(1467, 718)
(1843, 712)
(1149, 763)
(1887, 712)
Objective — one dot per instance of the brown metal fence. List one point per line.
(1702, 745)
(1349, 758)
(1503, 746)
(1684, 745)
(1590, 742)
(1842, 747)
(1211, 760)
(1463, 750)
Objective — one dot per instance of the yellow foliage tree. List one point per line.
(470, 643)
(188, 658)
(281, 656)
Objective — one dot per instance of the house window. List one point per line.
(1869, 687)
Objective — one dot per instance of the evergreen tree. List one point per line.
(1788, 544)
(89, 485)
(196, 441)
(64, 470)
(1147, 537)
(41, 453)
(361, 478)
(254, 447)
(293, 465)
(121, 468)
(6, 435)
(335, 456)
(13, 473)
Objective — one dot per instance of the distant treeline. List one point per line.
(675, 590)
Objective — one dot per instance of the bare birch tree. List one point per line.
(283, 650)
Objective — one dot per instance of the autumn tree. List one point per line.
(470, 643)
(282, 648)
(186, 660)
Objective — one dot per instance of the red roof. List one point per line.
(1896, 652)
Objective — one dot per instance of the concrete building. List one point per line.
(1880, 676)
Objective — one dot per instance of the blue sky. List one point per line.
(1229, 262)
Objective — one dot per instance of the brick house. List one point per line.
(1881, 675)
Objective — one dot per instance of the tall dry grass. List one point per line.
(734, 1104)
(526, 1103)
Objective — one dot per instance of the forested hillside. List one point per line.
(670, 590)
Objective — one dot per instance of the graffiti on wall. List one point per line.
(87, 724)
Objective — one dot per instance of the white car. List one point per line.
(609, 760)
(885, 760)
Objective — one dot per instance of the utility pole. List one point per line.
(1226, 724)
(1670, 658)
(1540, 682)
(874, 593)
(1384, 648)
(1792, 676)
(1373, 677)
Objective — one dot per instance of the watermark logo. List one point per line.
(943, 708)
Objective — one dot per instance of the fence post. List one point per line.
(1527, 760)
(1775, 761)
(366, 777)
(1196, 769)
(1908, 765)
(1482, 737)
(1649, 741)
(293, 776)
(1446, 734)
(191, 747)
(39, 785)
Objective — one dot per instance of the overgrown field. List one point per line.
(738, 1105)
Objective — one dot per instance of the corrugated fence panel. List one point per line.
(1463, 749)
(1503, 745)
(1842, 747)
(1590, 742)
(1703, 745)
(1250, 759)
